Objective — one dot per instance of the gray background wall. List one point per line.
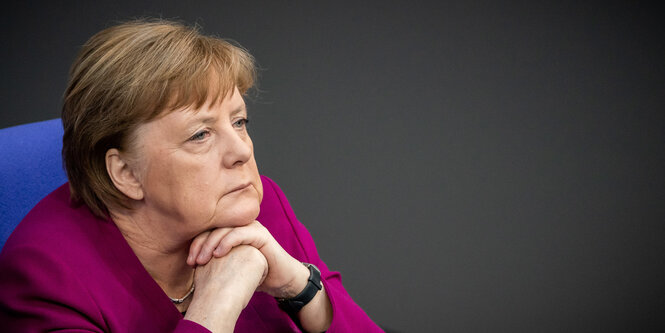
(467, 166)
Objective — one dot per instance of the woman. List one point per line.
(165, 224)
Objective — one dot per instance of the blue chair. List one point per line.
(30, 168)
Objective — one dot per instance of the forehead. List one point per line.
(181, 121)
(231, 103)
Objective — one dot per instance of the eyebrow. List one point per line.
(208, 120)
(239, 109)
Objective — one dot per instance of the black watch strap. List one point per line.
(293, 305)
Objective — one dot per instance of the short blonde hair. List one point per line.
(129, 74)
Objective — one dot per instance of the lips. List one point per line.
(239, 187)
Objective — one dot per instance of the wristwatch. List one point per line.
(293, 305)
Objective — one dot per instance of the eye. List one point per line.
(240, 123)
(199, 136)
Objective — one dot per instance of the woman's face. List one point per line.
(197, 168)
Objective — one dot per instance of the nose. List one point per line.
(236, 148)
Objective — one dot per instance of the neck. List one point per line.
(161, 254)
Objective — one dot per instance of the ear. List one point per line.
(123, 175)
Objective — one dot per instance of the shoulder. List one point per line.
(275, 199)
(55, 225)
(271, 190)
(64, 267)
(54, 240)
(39, 270)
(280, 219)
(274, 204)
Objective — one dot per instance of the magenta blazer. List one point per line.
(64, 269)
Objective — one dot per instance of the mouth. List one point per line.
(240, 187)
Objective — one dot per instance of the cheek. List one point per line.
(156, 172)
(260, 190)
(178, 182)
(256, 177)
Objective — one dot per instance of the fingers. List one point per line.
(253, 234)
(230, 280)
(208, 246)
(280, 268)
(220, 241)
(195, 247)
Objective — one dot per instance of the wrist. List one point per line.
(313, 285)
(214, 316)
(295, 285)
(216, 308)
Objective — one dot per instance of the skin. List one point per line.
(195, 193)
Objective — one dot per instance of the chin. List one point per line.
(237, 209)
(238, 215)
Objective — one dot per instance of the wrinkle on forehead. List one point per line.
(192, 95)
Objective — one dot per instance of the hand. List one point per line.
(224, 287)
(286, 276)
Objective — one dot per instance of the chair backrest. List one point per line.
(30, 168)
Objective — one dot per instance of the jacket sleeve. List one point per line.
(347, 315)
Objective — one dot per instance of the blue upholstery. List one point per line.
(30, 168)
